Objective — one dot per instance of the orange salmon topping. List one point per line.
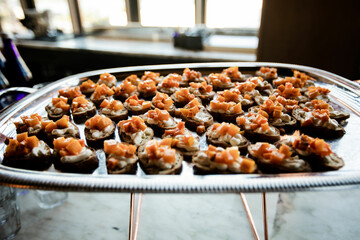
(313, 92)
(256, 80)
(220, 104)
(22, 145)
(151, 76)
(68, 146)
(158, 115)
(218, 78)
(113, 105)
(288, 91)
(102, 90)
(316, 146)
(70, 92)
(87, 85)
(270, 72)
(183, 95)
(203, 87)
(232, 72)
(134, 101)
(79, 102)
(226, 128)
(147, 85)
(319, 104)
(245, 86)
(98, 122)
(161, 151)
(133, 79)
(171, 80)
(107, 77)
(119, 149)
(133, 125)
(126, 87)
(231, 95)
(191, 75)
(162, 101)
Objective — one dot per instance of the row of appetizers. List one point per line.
(292, 154)
(299, 87)
(315, 116)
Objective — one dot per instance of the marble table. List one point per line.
(330, 214)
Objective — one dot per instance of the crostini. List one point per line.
(194, 114)
(203, 91)
(98, 129)
(159, 120)
(157, 157)
(27, 152)
(134, 131)
(271, 159)
(170, 84)
(82, 109)
(267, 73)
(113, 109)
(108, 79)
(30, 124)
(318, 123)
(57, 108)
(183, 140)
(87, 87)
(222, 161)
(125, 90)
(182, 97)
(226, 135)
(219, 81)
(257, 128)
(121, 158)
(101, 92)
(73, 156)
(314, 150)
(135, 106)
(224, 111)
(162, 101)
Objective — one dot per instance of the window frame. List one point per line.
(134, 19)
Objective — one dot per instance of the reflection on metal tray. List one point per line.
(344, 94)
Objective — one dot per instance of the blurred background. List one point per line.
(57, 38)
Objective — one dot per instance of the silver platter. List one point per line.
(344, 95)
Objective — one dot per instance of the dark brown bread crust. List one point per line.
(81, 117)
(87, 165)
(147, 95)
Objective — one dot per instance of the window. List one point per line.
(102, 14)
(59, 13)
(167, 13)
(233, 14)
(10, 13)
